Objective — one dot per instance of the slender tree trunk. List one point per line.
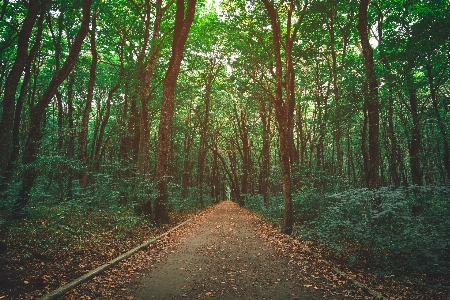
(59, 145)
(134, 130)
(215, 172)
(125, 123)
(234, 178)
(282, 115)
(245, 159)
(147, 66)
(12, 82)
(37, 113)
(82, 138)
(71, 143)
(371, 97)
(187, 143)
(446, 157)
(15, 151)
(204, 131)
(182, 26)
(243, 147)
(364, 150)
(337, 113)
(415, 143)
(99, 143)
(265, 115)
(393, 162)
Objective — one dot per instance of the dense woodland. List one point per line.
(331, 118)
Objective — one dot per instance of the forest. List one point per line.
(328, 118)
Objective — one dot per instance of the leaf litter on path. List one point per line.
(227, 252)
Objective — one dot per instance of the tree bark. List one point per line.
(415, 144)
(71, 143)
(15, 142)
(12, 81)
(99, 143)
(337, 109)
(187, 145)
(204, 128)
(393, 157)
(371, 98)
(82, 138)
(265, 116)
(182, 26)
(282, 109)
(147, 66)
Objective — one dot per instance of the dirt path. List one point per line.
(224, 258)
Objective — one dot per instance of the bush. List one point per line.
(379, 228)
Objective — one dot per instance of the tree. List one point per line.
(12, 81)
(183, 23)
(37, 113)
(284, 108)
(371, 105)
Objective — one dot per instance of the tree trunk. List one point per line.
(37, 113)
(147, 66)
(204, 130)
(82, 138)
(371, 97)
(15, 142)
(12, 81)
(71, 144)
(99, 143)
(215, 186)
(282, 116)
(234, 178)
(393, 157)
(441, 125)
(337, 109)
(415, 143)
(182, 26)
(187, 144)
(265, 115)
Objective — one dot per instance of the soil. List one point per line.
(225, 259)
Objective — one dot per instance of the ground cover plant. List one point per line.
(376, 232)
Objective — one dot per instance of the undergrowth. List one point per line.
(380, 230)
(104, 212)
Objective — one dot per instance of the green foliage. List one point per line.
(273, 212)
(378, 228)
(375, 229)
(190, 203)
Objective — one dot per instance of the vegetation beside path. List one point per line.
(32, 272)
(60, 243)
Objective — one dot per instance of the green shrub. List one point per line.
(379, 228)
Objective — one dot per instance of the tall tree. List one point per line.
(83, 135)
(147, 60)
(37, 113)
(183, 24)
(12, 81)
(284, 107)
(371, 105)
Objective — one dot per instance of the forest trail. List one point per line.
(225, 258)
(226, 252)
